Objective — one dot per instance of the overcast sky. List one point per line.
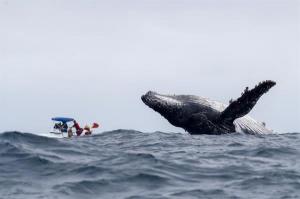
(92, 60)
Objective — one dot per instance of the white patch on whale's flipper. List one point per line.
(248, 124)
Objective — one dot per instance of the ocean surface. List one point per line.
(132, 165)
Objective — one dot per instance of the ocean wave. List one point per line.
(132, 164)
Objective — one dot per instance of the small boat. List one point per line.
(62, 125)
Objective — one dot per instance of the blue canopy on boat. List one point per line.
(62, 119)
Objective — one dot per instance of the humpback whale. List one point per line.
(198, 115)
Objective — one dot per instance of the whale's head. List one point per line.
(180, 110)
(170, 107)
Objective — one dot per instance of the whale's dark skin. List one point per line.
(199, 115)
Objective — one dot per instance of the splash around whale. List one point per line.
(199, 115)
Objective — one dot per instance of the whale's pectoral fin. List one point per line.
(246, 102)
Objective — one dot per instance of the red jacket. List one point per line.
(76, 125)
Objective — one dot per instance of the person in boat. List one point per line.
(79, 130)
(61, 126)
(70, 132)
(65, 127)
(88, 130)
(58, 125)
